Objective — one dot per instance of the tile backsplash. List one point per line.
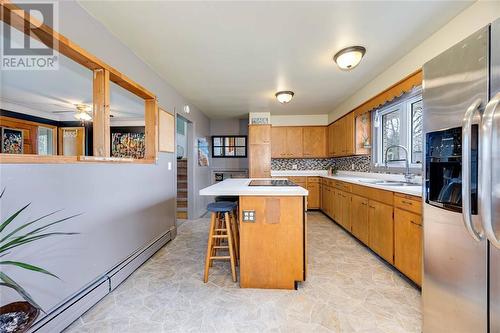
(361, 163)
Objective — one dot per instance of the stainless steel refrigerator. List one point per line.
(461, 93)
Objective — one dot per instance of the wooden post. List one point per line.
(101, 131)
(151, 128)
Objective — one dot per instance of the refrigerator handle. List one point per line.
(487, 165)
(466, 166)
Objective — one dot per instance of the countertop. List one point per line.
(239, 187)
(357, 178)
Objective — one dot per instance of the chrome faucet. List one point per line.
(408, 175)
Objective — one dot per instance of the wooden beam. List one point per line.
(22, 21)
(101, 133)
(151, 128)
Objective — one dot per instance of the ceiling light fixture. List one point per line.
(82, 112)
(284, 96)
(349, 57)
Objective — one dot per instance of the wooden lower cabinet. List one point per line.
(359, 218)
(388, 223)
(381, 228)
(408, 244)
(345, 209)
(313, 200)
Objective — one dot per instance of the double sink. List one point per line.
(388, 182)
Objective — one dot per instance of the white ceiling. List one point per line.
(229, 58)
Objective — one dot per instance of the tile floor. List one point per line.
(348, 290)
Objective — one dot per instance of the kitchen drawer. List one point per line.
(324, 181)
(342, 185)
(313, 179)
(373, 193)
(297, 179)
(408, 202)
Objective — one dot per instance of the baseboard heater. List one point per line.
(65, 314)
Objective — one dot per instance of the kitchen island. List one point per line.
(272, 226)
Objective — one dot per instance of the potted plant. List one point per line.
(19, 316)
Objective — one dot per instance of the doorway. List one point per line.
(183, 155)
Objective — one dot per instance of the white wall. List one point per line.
(467, 22)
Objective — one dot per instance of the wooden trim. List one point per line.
(17, 18)
(58, 159)
(38, 159)
(100, 123)
(396, 90)
(151, 128)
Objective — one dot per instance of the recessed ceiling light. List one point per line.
(284, 96)
(349, 57)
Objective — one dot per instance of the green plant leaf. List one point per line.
(42, 228)
(28, 267)
(8, 282)
(27, 225)
(23, 240)
(12, 217)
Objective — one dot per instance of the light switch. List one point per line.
(169, 165)
(249, 216)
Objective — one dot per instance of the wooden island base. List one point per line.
(273, 247)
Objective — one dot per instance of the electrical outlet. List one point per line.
(294, 166)
(249, 216)
(352, 166)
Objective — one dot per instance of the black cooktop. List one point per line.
(271, 182)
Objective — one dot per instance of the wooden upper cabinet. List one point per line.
(341, 136)
(278, 142)
(259, 134)
(314, 141)
(330, 137)
(294, 136)
(287, 142)
(348, 134)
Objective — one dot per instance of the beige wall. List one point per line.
(300, 120)
(467, 22)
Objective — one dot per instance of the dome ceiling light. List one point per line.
(284, 96)
(349, 57)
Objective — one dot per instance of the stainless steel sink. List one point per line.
(388, 182)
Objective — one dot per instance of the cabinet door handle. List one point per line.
(371, 206)
(407, 202)
(414, 222)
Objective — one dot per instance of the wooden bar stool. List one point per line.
(222, 227)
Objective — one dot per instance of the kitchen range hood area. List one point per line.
(249, 166)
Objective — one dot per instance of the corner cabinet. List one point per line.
(259, 151)
(341, 137)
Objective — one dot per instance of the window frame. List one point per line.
(404, 104)
(223, 137)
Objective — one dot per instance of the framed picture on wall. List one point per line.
(12, 141)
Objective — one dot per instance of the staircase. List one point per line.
(182, 192)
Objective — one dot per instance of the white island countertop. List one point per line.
(239, 187)
(357, 178)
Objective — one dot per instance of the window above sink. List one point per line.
(399, 123)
